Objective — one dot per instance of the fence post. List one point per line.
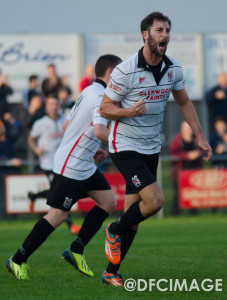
(159, 179)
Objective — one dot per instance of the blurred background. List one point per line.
(51, 47)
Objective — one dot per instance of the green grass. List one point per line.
(186, 247)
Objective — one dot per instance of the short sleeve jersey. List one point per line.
(131, 81)
(48, 133)
(74, 157)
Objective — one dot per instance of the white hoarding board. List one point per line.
(215, 52)
(17, 188)
(23, 55)
(186, 48)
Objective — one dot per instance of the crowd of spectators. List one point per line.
(14, 132)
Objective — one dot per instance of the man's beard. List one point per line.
(153, 46)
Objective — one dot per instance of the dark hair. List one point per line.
(32, 77)
(148, 21)
(220, 119)
(52, 96)
(104, 62)
(51, 66)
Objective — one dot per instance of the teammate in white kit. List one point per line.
(76, 176)
(135, 100)
(44, 139)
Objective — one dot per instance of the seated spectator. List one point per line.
(217, 100)
(5, 90)
(88, 77)
(9, 164)
(32, 90)
(13, 127)
(218, 143)
(188, 155)
(51, 84)
(2, 128)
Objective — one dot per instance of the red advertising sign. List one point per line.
(202, 188)
(117, 183)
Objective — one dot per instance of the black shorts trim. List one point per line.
(139, 170)
(64, 192)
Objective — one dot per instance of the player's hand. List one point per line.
(139, 109)
(206, 148)
(100, 155)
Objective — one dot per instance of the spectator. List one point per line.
(217, 100)
(66, 102)
(88, 77)
(32, 90)
(13, 127)
(2, 128)
(5, 90)
(35, 110)
(51, 84)
(7, 153)
(65, 84)
(183, 147)
(218, 143)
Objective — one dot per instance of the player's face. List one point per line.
(158, 37)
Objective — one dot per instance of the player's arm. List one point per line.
(110, 110)
(2, 128)
(32, 142)
(101, 132)
(189, 114)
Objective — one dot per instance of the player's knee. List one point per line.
(158, 203)
(152, 207)
(63, 218)
(111, 205)
(56, 217)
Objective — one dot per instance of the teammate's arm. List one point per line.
(189, 114)
(110, 110)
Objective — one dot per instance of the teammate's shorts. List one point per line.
(139, 170)
(64, 192)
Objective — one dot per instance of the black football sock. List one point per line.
(42, 194)
(34, 240)
(69, 220)
(126, 242)
(92, 223)
(111, 268)
(130, 218)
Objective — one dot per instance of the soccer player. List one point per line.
(44, 140)
(76, 176)
(135, 100)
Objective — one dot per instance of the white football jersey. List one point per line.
(48, 133)
(131, 81)
(74, 157)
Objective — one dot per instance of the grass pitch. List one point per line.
(171, 248)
